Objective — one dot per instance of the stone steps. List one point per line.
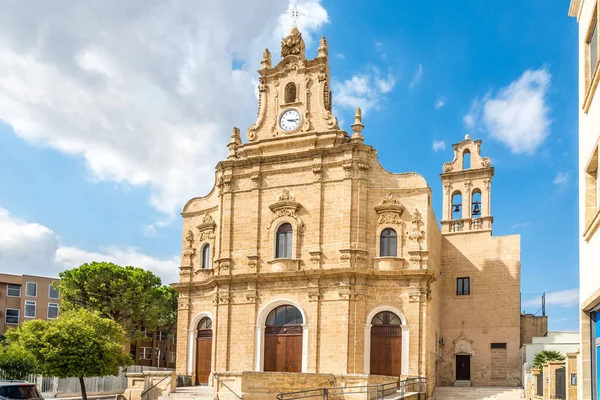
(477, 393)
(191, 393)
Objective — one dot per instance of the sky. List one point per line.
(113, 114)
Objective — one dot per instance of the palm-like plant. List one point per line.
(544, 356)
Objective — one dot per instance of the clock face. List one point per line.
(289, 120)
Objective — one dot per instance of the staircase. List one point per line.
(190, 393)
(477, 393)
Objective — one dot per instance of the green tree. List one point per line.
(16, 362)
(77, 344)
(132, 297)
(547, 355)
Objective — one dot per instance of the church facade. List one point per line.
(309, 257)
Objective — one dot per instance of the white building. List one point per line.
(564, 342)
(587, 13)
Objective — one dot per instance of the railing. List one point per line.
(560, 380)
(153, 386)
(227, 387)
(540, 385)
(403, 387)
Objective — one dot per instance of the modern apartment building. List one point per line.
(587, 13)
(24, 297)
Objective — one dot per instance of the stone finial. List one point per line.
(467, 137)
(293, 44)
(234, 143)
(266, 59)
(357, 126)
(323, 47)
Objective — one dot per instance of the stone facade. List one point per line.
(329, 186)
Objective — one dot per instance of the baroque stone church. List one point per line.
(309, 257)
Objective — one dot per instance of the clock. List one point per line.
(289, 120)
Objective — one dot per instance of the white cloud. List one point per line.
(146, 93)
(440, 102)
(363, 90)
(418, 75)
(518, 114)
(562, 298)
(520, 225)
(379, 49)
(340, 56)
(439, 145)
(561, 179)
(30, 248)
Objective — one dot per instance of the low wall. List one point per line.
(156, 384)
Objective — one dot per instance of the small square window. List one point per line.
(145, 353)
(148, 334)
(12, 316)
(13, 291)
(29, 309)
(463, 286)
(52, 310)
(53, 293)
(498, 346)
(160, 336)
(31, 289)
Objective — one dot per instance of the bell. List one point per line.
(456, 208)
(476, 210)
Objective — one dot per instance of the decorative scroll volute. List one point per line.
(390, 210)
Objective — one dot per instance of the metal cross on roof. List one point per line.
(295, 13)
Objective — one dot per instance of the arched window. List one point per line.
(284, 315)
(205, 323)
(388, 243)
(283, 340)
(386, 318)
(476, 204)
(284, 241)
(466, 159)
(290, 92)
(457, 205)
(206, 256)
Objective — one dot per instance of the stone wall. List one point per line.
(533, 326)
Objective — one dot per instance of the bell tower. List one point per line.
(467, 183)
(294, 100)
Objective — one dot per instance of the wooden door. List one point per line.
(283, 352)
(386, 350)
(203, 358)
(463, 367)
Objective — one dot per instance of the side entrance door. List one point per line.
(283, 349)
(203, 350)
(463, 367)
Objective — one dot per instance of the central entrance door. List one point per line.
(283, 340)
(463, 367)
(203, 350)
(386, 344)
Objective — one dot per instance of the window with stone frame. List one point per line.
(592, 45)
(388, 243)
(463, 286)
(592, 195)
(206, 256)
(592, 58)
(283, 245)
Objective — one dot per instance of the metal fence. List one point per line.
(560, 380)
(540, 385)
(52, 387)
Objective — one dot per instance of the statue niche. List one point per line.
(290, 93)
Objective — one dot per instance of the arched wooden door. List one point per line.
(203, 350)
(386, 344)
(283, 340)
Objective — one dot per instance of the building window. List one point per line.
(29, 309)
(388, 243)
(161, 336)
(145, 353)
(173, 340)
(172, 357)
(498, 346)
(592, 45)
(284, 241)
(463, 286)
(12, 316)
(31, 289)
(466, 159)
(52, 310)
(290, 93)
(206, 256)
(13, 291)
(53, 293)
(148, 334)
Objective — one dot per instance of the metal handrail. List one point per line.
(381, 390)
(153, 386)
(228, 388)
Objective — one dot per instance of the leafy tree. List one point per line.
(77, 344)
(132, 297)
(16, 362)
(544, 356)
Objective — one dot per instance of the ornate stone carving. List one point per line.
(255, 180)
(415, 232)
(357, 126)
(322, 51)
(414, 297)
(487, 182)
(207, 228)
(463, 345)
(447, 187)
(227, 180)
(447, 167)
(468, 185)
(266, 59)
(486, 162)
(234, 144)
(390, 210)
(286, 206)
(347, 166)
(215, 299)
(345, 294)
(313, 294)
(327, 97)
(315, 257)
(224, 298)
(183, 303)
(293, 44)
(317, 171)
(189, 239)
(252, 261)
(251, 297)
(322, 75)
(363, 170)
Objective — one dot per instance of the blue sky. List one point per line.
(113, 115)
